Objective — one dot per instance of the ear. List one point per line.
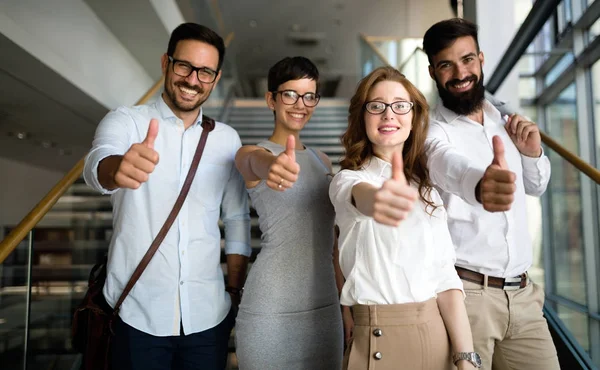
(164, 62)
(269, 100)
(431, 72)
(217, 79)
(481, 58)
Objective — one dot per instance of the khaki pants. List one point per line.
(409, 336)
(509, 331)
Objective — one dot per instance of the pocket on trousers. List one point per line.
(473, 292)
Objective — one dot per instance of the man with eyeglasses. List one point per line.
(179, 314)
(483, 165)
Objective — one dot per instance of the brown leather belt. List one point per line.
(512, 283)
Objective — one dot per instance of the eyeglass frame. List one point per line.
(193, 69)
(412, 105)
(298, 98)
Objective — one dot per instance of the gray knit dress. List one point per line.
(289, 318)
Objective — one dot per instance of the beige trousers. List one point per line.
(509, 331)
(409, 336)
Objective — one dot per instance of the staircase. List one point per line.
(75, 234)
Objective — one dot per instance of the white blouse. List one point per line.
(391, 265)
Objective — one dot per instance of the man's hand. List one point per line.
(525, 134)
(396, 198)
(139, 161)
(284, 170)
(497, 187)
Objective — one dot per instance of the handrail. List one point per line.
(39, 211)
(579, 163)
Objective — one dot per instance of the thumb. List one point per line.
(398, 168)
(290, 147)
(152, 134)
(499, 152)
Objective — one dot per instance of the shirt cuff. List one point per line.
(238, 248)
(469, 182)
(451, 284)
(91, 170)
(536, 164)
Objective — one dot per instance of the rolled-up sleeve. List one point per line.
(449, 170)
(235, 212)
(113, 137)
(536, 174)
(340, 193)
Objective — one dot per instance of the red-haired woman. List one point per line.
(395, 249)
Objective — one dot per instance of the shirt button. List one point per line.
(182, 253)
(181, 283)
(377, 332)
(377, 355)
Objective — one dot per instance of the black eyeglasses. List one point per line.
(398, 107)
(184, 69)
(290, 97)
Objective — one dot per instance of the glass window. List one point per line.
(577, 323)
(594, 31)
(595, 71)
(559, 68)
(564, 190)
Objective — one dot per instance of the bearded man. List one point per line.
(483, 164)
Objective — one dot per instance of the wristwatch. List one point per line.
(472, 357)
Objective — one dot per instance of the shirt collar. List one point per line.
(450, 116)
(166, 112)
(379, 167)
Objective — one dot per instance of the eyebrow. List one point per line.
(463, 57)
(397, 98)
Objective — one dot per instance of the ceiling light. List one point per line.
(22, 135)
(253, 23)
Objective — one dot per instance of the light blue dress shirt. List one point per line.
(184, 280)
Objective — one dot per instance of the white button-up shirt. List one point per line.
(459, 150)
(391, 265)
(184, 280)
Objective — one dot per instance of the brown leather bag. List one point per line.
(91, 330)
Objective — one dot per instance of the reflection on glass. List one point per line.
(565, 201)
(594, 31)
(577, 323)
(527, 87)
(559, 68)
(13, 307)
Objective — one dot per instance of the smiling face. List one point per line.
(292, 118)
(388, 131)
(457, 71)
(186, 94)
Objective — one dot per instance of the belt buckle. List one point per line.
(514, 283)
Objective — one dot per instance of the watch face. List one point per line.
(477, 359)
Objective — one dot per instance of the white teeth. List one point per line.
(188, 91)
(296, 115)
(462, 85)
(388, 129)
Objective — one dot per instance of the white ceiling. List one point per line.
(59, 119)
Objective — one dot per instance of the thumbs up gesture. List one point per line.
(497, 187)
(284, 170)
(395, 199)
(139, 161)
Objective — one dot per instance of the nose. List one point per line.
(299, 103)
(460, 72)
(192, 79)
(388, 113)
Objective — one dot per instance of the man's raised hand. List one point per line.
(497, 187)
(139, 161)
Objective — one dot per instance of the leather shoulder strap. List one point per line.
(208, 124)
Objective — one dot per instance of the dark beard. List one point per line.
(171, 94)
(463, 103)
